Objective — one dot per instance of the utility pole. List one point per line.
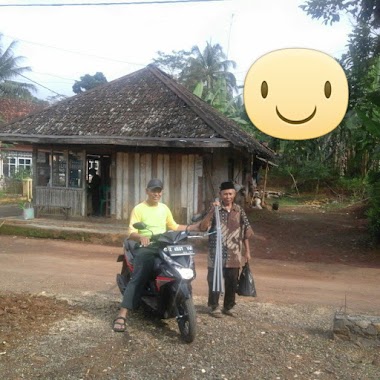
(229, 35)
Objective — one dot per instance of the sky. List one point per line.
(63, 43)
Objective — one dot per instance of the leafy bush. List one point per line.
(354, 188)
(373, 212)
(12, 186)
(308, 177)
(22, 174)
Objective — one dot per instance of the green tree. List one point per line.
(206, 73)
(87, 82)
(194, 68)
(359, 134)
(173, 63)
(364, 41)
(10, 69)
(208, 67)
(221, 99)
(373, 212)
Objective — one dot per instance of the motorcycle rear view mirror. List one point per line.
(140, 226)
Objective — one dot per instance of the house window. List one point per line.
(75, 169)
(10, 169)
(17, 162)
(25, 164)
(59, 168)
(43, 168)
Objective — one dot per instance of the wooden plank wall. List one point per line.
(182, 175)
(216, 171)
(60, 196)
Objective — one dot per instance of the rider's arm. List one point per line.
(190, 227)
(143, 240)
(133, 233)
(171, 225)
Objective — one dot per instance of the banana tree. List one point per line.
(221, 99)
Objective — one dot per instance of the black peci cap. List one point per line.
(227, 185)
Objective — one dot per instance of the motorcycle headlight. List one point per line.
(186, 273)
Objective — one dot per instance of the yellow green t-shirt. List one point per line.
(158, 218)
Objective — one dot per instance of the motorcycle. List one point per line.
(169, 293)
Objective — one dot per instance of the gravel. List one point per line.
(265, 341)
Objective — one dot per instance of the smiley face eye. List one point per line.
(264, 89)
(327, 89)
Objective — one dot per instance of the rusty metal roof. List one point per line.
(144, 108)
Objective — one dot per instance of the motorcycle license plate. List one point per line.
(180, 250)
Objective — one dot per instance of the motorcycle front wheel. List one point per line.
(186, 319)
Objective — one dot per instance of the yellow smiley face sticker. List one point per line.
(296, 94)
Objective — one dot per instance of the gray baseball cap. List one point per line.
(154, 183)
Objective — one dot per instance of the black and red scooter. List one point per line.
(168, 294)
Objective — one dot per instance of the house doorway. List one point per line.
(98, 175)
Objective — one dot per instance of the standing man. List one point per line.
(159, 219)
(94, 188)
(236, 230)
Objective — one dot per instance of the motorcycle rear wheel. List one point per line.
(186, 319)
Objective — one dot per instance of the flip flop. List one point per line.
(122, 324)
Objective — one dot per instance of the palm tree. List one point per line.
(209, 67)
(10, 69)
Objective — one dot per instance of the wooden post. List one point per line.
(265, 183)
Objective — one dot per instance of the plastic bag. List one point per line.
(246, 284)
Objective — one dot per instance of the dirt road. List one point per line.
(307, 266)
(70, 269)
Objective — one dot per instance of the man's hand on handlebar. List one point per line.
(189, 227)
(193, 227)
(144, 241)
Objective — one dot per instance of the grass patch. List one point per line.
(311, 200)
(291, 201)
(42, 233)
(10, 199)
(6, 229)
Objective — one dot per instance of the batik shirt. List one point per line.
(235, 228)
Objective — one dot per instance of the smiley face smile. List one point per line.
(283, 118)
(284, 88)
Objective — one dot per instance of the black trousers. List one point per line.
(95, 202)
(231, 276)
(143, 265)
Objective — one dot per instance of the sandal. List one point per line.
(122, 325)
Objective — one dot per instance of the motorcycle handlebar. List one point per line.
(190, 234)
(199, 234)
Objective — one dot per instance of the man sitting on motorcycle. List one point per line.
(158, 217)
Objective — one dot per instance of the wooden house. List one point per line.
(135, 128)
